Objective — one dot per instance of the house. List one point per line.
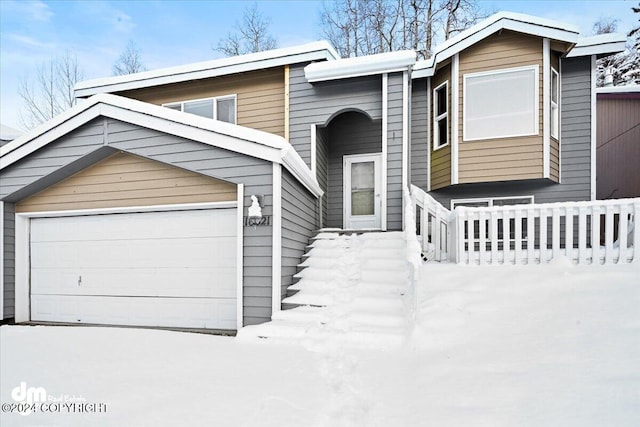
(618, 142)
(126, 208)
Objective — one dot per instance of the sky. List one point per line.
(169, 33)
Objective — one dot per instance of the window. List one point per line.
(500, 104)
(440, 116)
(492, 201)
(222, 108)
(555, 100)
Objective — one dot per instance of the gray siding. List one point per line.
(8, 254)
(299, 222)
(394, 153)
(349, 133)
(69, 153)
(322, 172)
(575, 149)
(419, 134)
(317, 103)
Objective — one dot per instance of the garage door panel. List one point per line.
(217, 313)
(174, 268)
(140, 282)
(206, 252)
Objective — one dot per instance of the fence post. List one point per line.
(531, 235)
(608, 234)
(582, 235)
(543, 235)
(568, 232)
(595, 234)
(493, 235)
(622, 234)
(555, 232)
(518, 236)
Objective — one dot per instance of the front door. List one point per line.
(362, 191)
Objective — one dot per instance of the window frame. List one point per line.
(215, 100)
(490, 200)
(536, 97)
(554, 111)
(437, 118)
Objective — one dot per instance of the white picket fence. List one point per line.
(600, 232)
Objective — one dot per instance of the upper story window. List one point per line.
(555, 100)
(440, 116)
(500, 103)
(221, 108)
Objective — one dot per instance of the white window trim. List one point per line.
(536, 97)
(555, 106)
(436, 118)
(215, 104)
(489, 200)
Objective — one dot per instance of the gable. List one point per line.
(124, 180)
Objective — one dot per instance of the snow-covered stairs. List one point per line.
(350, 287)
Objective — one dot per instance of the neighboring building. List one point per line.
(134, 174)
(618, 152)
(8, 134)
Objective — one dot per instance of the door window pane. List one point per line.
(362, 188)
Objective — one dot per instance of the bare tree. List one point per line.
(51, 91)
(605, 26)
(129, 62)
(364, 27)
(250, 35)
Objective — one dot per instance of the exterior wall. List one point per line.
(575, 134)
(349, 133)
(419, 136)
(322, 171)
(126, 180)
(618, 145)
(69, 154)
(504, 158)
(317, 103)
(260, 96)
(299, 222)
(394, 152)
(554, 144)
(440, 158)
(8, 254)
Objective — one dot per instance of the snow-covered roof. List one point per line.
(239, 139)
(601, 44)
(320, 50)
(619, 89)
(7, 133)
(519, 22)
(360, 66)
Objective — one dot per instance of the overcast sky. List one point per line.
(179, 32)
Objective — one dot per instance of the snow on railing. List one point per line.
(595, 232)
(432, 225)
(413, 250)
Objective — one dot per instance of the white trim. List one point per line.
(228, 136)
(559, 120)
(429, 139)
(554, 113)
(490, 200)
(347, 161)
(385, 124)
(2, 231)
(314, 148)
(594, 121)
(536, 99)
(500, 21)
(546, 107)
(619, 89)
(405, 137)
(316, 51)
(601, 44)
(276, 250)
(455, 106)
(214, 100)
(445, 115)
(240, 256)
(382, 63)
(22, 242)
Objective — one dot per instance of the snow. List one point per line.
(553, 344)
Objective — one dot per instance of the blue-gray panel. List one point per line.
(394, 152)
(8, 258)
(299, 222)
(322, 172)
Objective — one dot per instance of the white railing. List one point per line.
(432, 224)
(596, 232)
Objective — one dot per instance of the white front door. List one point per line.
(362, 191)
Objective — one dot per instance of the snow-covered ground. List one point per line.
(493, 346)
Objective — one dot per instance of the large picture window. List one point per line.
(440, 116)
(221, 108)
(500, 103)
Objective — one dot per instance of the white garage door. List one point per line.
(175, 269)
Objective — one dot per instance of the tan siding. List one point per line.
(554, 160)
(440, 159)
(261, 97)
(124, 180)
(504, 158)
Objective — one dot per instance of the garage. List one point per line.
(174, 268)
